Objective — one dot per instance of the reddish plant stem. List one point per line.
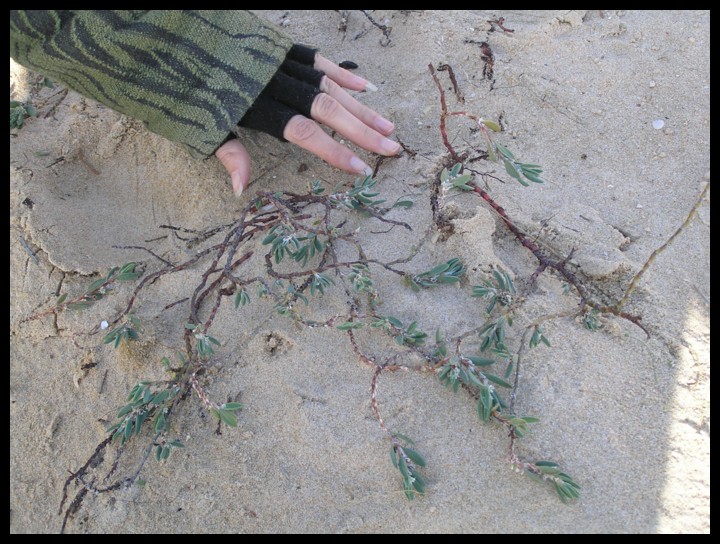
(443, 115)
(543, 260)
(374, 401)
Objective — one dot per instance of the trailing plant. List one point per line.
(298, 238)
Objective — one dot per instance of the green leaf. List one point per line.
(532, 177)
(479, 361)
(511, 169)
(79, 305)
(128, 430)
(139, 420)
(349, 325)
(492, 125)
(548, 470)
(485, 404)
(497, 380)
(491, 151)
(393, 456)
(439, 269)
(232, 406)
(241, 297)
(165, 453)
(125, 410)
(96, 284)
(461, 182)
(119, 432)
(419, 484)
(395, 321)
(61, 299)
(147, 395)
(226, 417)
(402, 465)
(415, 457)
(161, 397)
(404, 438)
(502, 149)
(545, 464)
(160, 422)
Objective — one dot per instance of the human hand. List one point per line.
(315, 96)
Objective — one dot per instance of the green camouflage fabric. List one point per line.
(190, 76)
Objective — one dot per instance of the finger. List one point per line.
(236, 160)
(330, 112)
(341, 76)
(307, 134)
(370, 117)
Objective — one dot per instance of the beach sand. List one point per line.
(626, 415)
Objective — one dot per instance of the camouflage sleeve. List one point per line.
(189, 75)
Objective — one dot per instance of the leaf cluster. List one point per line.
(407, 461)
(146, 401)
(19, 111)
(453, 179)
(500, 291)
(445, 273)
(409, 335)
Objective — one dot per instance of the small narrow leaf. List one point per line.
(125, 410)
(349, 325)
(404, 438)
(94, 285)
(498, 381)
(492, 125)
(415, 457)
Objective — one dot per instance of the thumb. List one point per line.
(236, 160)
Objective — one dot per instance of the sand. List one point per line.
(628, 416)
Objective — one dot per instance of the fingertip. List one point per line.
(384, 126)
(236, 161)
(370, 87)
(359, 167)
(237, 183)
(389, 147)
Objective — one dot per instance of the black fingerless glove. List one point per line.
(290, 92)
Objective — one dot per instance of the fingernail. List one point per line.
(370, 87)
(235, 182)
(383, 125)
(360, 167)
(389, 146)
